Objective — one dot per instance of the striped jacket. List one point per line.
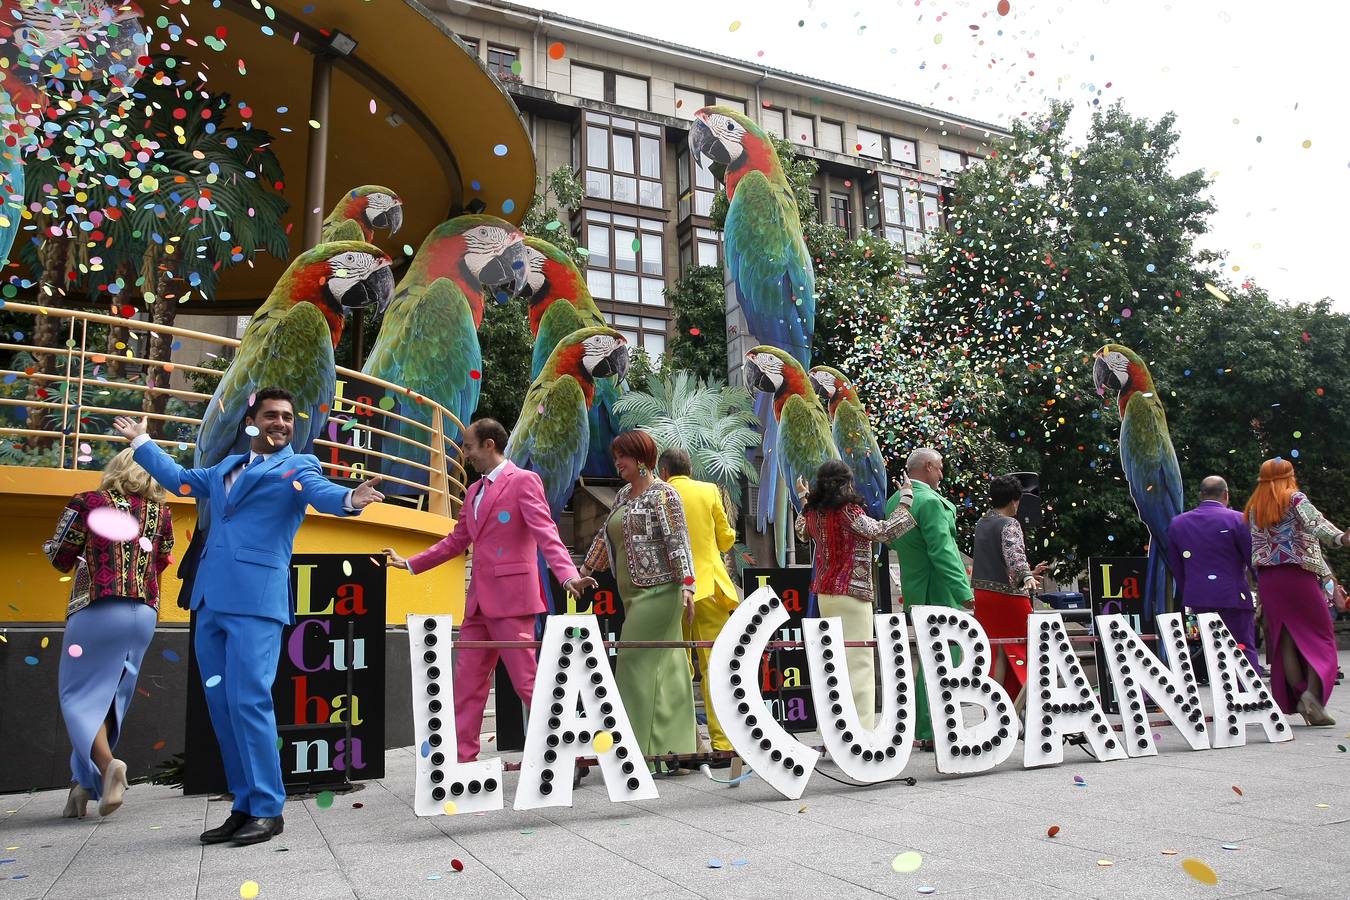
(107, 568)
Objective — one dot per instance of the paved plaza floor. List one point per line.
(1269, 820)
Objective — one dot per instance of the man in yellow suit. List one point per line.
(710, 535)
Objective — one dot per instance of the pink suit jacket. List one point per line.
(512, 526)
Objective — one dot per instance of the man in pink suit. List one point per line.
(506, 518)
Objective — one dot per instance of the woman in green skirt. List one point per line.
(645, 542)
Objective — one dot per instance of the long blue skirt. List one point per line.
(97, 684)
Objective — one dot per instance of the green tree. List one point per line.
(557, 199)
(699, 345)
(1051, 252)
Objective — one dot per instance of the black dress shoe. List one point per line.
(719, 762)
(222, 833)
(259, 829)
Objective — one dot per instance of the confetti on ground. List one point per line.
(1322, 806)
(907, 862)
(324, 799)
(248, 890)
(926, 889)
(714, 863)
(457, 865)
(1237, 790)
(1230, 846)
(1199, 871)
(1105, 862)
(1052, 831)
(1169, 852)
(740, 862)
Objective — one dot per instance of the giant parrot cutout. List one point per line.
(553, 433)
(853, 436)
(428, 340)
(767, 263)
(362, 210)
(1146, 455)
(289, 343)
(560, 303)
(803, 438)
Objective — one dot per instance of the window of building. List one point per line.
(609, 87)
(690, 100)
(642, 331)
(701, 247)
(903, 210)
(869, 144)
(623, 160)
(696, 186)
(815, 201)
(953, 161)
(501, 61)
(903, 152)
(470, 43)
(841, 212)
(771, 120)
(730, 103)
(626, 261)
(803, 130)
(831, 136)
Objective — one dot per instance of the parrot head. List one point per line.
(1120, 369)
(590, 353)
(338, 276)
(373, 206)
(733, 144)
(776, 372)
(44, 40)
(549, 275)
(832, 386)
(480, 254)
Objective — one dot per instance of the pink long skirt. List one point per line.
(1293, 601)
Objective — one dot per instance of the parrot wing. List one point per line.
(11, 185)
(1150, 465)
(341, 230)
(770, 267)
(428, 344)
(857, 446)
(552, 436)
(292, 349)
(604, 427)
(558, 321)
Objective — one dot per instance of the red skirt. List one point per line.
(1005, 616)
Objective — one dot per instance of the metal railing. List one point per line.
(66, 390)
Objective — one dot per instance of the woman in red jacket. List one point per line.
(118, 539)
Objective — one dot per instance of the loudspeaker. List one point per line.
(1029, 509)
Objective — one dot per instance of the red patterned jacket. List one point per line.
(112, 568)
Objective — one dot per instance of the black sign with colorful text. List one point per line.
(1116, 586)
(783, 674)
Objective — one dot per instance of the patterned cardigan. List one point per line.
(1294, 539)
(844, 552)
(655, 538)
(107, 568)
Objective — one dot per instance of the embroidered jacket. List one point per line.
(1000, 562)
(654, 537)
(107, 568)
(1294, 539)
(844, 553)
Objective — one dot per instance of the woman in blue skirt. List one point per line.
(118, 539)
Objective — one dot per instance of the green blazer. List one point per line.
(931, 571)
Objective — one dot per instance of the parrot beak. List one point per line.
(1101, 374)
(703, 143)
(376, 289)
(391, 219)
(753, 376)
(616, 364)
(508, 272)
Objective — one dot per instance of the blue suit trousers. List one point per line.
(237, 656)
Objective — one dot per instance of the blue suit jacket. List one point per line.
(1210, 550)
(245, 565)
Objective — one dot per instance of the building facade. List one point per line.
(617, 108)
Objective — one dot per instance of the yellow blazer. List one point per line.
(710, 535)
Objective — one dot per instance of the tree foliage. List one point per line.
(699, 345)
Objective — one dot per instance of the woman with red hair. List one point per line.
(645, 542)
(1294, 583)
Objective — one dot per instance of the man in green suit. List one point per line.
(931, 571)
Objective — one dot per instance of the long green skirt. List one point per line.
(654, 684)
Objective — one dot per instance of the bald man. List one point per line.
(1210, 551)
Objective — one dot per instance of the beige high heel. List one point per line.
(114, 786)
(1313, 712)
(76, 801)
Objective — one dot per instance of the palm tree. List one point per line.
(712, 421)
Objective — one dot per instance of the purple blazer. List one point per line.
(1210, 549)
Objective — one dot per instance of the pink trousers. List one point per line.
(474, 668)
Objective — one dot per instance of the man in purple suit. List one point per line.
(1210, 548)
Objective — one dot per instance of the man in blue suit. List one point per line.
(241, 593)
(1210, 549)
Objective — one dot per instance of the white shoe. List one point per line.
(76, 801)
(114, 786)
(1312, 710)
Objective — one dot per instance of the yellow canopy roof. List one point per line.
(442, 133)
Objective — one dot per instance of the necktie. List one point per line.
(238, 473)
